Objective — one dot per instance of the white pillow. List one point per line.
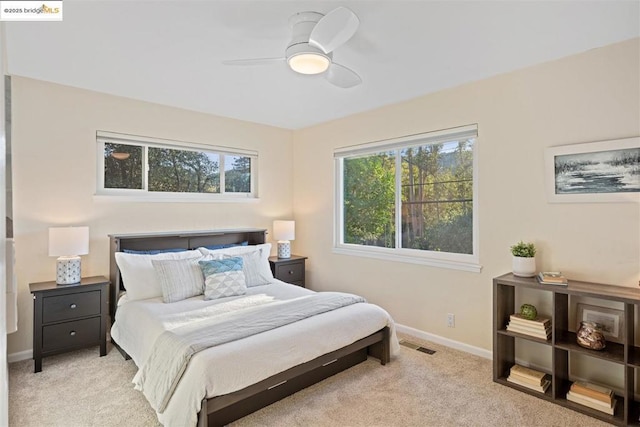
(179, 278)
(235, 250)
(256, 261)
(138, 275)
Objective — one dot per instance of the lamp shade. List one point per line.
(68, 241)
(284, 230)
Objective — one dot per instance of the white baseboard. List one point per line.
(19, 356)
(487, 354)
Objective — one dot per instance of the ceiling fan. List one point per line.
(310, 51)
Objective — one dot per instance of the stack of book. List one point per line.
(593, 396)
(552, 278)
(539, 327)
(529, 378)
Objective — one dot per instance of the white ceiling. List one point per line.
(170, 52)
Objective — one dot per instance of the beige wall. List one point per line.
(593, 96)
(54, 163)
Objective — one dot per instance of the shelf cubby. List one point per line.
(613, 352)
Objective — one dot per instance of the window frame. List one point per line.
(448, 260)
(143, 194)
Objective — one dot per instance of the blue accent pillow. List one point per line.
(154, 251)
(226, 245)
(223, 278)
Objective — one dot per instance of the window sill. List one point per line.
(388, 255)
(173, 199)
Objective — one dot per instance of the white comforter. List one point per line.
(233, 366)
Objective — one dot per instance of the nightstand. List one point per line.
(68, 317)
(290, 270)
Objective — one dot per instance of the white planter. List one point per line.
(524, 267)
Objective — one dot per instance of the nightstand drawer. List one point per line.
(71, 334)
(70, 306)
(293, 272)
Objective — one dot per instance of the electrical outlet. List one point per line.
(451, 320)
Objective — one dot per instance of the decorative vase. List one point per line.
(524, 267)
(590, 336)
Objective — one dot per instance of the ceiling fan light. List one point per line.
(120, 156)
(309, 63)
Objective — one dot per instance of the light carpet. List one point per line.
(448, 388)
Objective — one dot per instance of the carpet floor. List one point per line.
(447, 388)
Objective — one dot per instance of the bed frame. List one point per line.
(222, 410)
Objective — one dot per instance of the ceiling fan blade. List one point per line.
(334, 29)
(343, 77)
(254, 61)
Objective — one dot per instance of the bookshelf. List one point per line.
(625, 355)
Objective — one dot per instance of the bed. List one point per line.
(228, 381)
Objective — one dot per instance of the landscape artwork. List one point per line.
(600, 172)
(606, 171)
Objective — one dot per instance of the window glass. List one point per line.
(369, 200)
(183, 171)
(437, 197)
(237, 174)
(123, 166)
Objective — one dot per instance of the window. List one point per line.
(410, 199)
(151, 168)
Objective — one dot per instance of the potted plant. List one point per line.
(524, 261)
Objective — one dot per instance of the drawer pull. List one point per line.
(290, 271)
(276, 385)
(329, 363)
(72, 306)
(72, 333)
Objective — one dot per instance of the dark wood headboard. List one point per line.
(170, 240)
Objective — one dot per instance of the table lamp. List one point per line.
(68, 243)
(283, 231)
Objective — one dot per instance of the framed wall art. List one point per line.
(610, 320)
(605, 171)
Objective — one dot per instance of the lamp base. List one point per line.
(284, 249)
(68, 270)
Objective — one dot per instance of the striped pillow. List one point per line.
(180, 279)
